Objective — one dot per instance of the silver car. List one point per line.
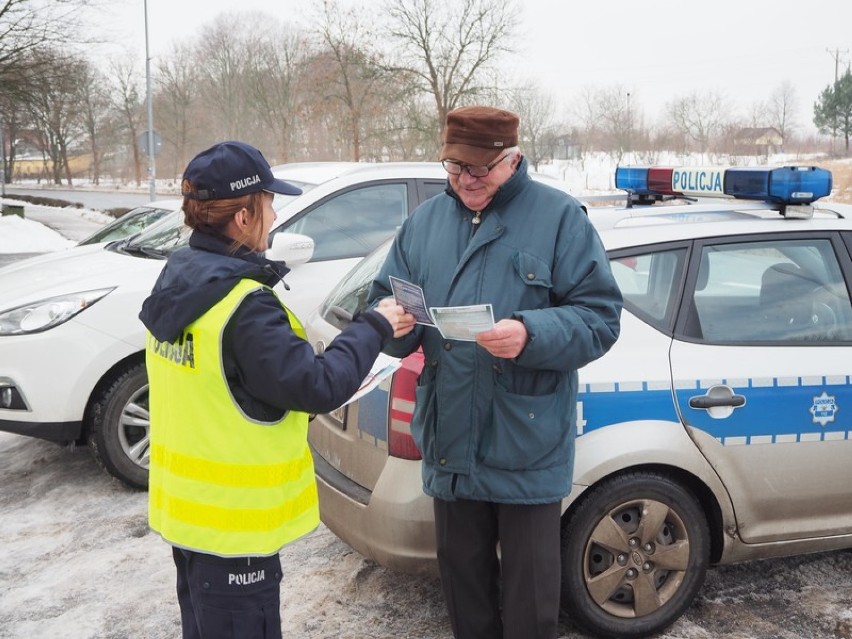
(712, 433)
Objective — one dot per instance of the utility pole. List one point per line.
(836, 55)
(629, 128)
(152, 182)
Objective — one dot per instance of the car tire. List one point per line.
(119, 426)
(608, 556)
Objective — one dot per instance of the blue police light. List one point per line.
(632, 178)
(784, 185)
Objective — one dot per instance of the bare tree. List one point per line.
(94, 105)
(608, 116)
(758, 115)
(223, 58)
(447, 47)
(782, 109)
(129, 105)
(585, 112)
(28, 25)
(535, 110)
(276, 86)
(350, 76)
(12, 117)
(54, 103)
(698, 117)
(176, 104)
(614, 111)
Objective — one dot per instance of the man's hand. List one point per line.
(507, 339)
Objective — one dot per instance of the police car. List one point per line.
(718, 429)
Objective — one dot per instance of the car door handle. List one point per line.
(707, 401)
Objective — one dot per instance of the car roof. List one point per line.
(321, 172)
(629, 227)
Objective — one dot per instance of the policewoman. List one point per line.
(232, 380)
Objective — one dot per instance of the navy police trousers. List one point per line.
(228, 598)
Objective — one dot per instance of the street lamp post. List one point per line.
(152, 182)
(2, 163)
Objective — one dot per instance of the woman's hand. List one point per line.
(395, 314)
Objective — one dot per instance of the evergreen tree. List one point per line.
(833, 110)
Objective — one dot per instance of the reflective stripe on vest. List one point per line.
(221, 482)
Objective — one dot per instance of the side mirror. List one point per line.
(291, 248)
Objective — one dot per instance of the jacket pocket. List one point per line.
(532, 270)
(528, 432)
(536, 282)
(423, 420)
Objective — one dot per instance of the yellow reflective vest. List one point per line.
(221, 482)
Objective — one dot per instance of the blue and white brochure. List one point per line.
(463, 322)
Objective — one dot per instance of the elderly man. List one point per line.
(495, 417)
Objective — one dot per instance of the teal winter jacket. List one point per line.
(493, 429)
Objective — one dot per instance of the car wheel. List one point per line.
(119, 426)
(634, 555)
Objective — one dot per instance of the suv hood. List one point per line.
(76, 269)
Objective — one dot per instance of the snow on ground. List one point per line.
(27, 235)
(79, 562)
(19, 235)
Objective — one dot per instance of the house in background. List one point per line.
(759, 141)
(563, 147)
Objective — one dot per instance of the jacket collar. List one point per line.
(509, 189)
(268, 272)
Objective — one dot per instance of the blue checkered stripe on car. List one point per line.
(777, 409)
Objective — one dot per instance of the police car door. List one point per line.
(761, 373)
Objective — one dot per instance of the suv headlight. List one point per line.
(42, 315)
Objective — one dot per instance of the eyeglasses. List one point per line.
(455, 168)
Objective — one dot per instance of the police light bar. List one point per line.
(784, 185)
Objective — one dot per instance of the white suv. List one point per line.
(711, 433)
(72, 347)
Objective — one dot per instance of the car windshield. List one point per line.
(170, 233)
(350, 295)
(130, 223)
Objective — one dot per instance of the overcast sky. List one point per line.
(655, 49)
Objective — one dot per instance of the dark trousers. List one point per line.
(528, 571)
(236, 598)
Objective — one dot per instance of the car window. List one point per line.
(648, 283)
(433, 188)
(128, 224)
(778, 290)
(353, 223)
(350, 295)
